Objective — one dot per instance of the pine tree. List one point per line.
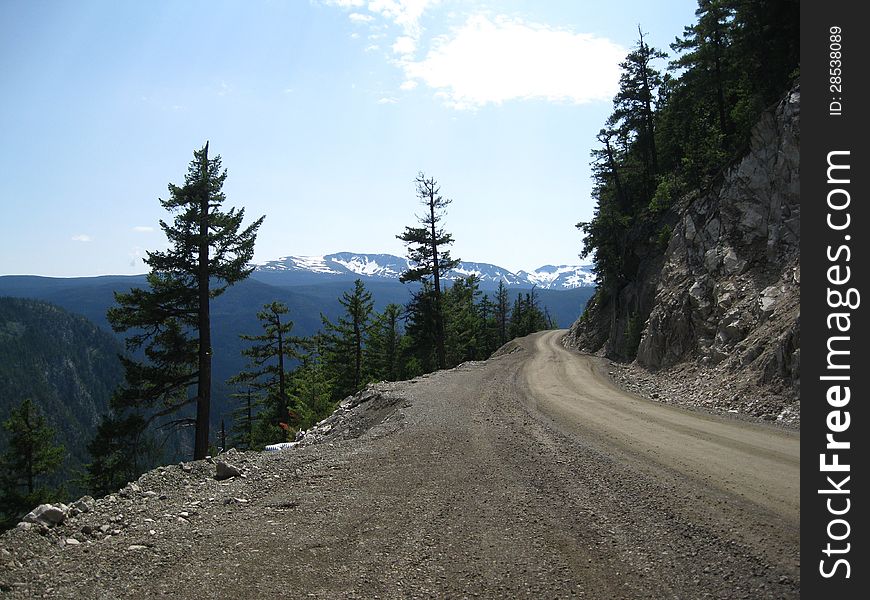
(704, 56)
(171, 319)
(419, 349)
(487, 327)
(268, 357)
(428, 255)
(242, 430)
(502, 316)
(343, 341)
(121, 450)
(311, 390)
(463, 321)
(527, 316)
(30, 458)
(634, 107)
(383, 345)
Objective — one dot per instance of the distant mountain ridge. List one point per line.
(306, 269)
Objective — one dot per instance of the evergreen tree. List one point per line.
(343, 341)
(463, 321)
(311, 391)
(704, 56)
(242, 430)
(383, 345)
(634, 107)
(502, 316)
(487, 327)
(121, 450)
(419, 351)
(171, 319)
(31, 456)
(428, 255)
(527, 316)
(268, 373)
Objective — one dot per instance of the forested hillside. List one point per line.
(65, 364)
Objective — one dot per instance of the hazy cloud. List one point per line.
(137, 255)
(403, 14)
(82, 237)
(143, 229)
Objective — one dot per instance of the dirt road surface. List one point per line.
(526, 476)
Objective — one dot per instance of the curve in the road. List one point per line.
(759, 463)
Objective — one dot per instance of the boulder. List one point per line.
(47, 514)
(224, 470)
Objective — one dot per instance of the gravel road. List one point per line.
(530, 475)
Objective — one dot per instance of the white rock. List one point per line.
(47, 514)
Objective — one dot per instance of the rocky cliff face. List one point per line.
(718, 314)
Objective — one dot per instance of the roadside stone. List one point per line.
(47, 514)
(224, 470)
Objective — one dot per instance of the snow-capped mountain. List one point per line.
(345, 265)
(563, 276)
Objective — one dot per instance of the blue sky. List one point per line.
(323, 112)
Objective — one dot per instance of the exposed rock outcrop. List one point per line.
(722, 304)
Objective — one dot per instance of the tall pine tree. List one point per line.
(343, 341)
(30, 458)
(268, 370)
(428, 255)
(121, 450)
(383, 345)
(170, 320)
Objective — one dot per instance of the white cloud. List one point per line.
(143, 229)
(408, 85)
(360, 18)
(347, 3)
(82, 237)
(405, 45)
(372, 48)
(491, 61)
(386, 100)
